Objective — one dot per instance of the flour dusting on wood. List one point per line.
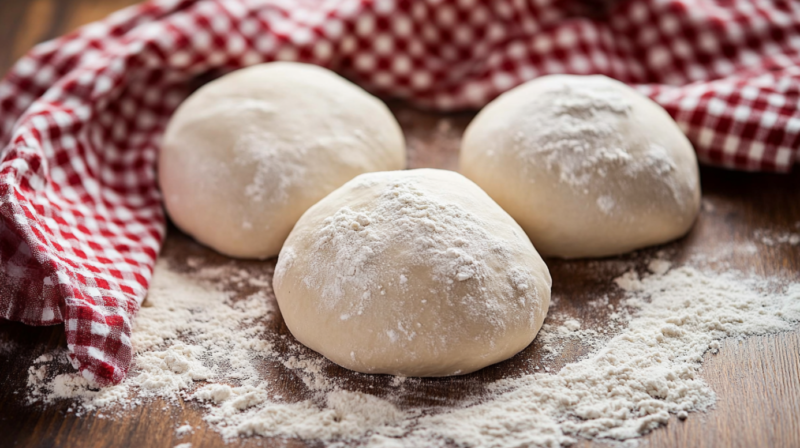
(197, 343)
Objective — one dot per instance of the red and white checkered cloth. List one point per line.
(80, 117)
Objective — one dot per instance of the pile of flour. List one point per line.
(195, 342)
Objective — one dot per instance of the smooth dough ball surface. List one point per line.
(247, 154)
(585, 164)
(413, 273)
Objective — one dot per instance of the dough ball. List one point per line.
(585, 164)
(413, 273)
(247, 154)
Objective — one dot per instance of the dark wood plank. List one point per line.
(24, 23)
(757, 380)
(11, 30)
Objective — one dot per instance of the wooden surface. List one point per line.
(757, 380)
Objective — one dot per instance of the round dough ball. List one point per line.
(585, 164)
(247, 154)
(413, 273)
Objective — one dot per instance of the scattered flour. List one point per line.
(407, 216)
(554, 337)
(641, 376)
(195, 343)
(577, 134)
(186, 331)
(183, 430)
(772, 238)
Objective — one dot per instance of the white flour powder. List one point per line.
(183, 430)
(449, 242)
(580, 132)
(773, 238)
(195, 343)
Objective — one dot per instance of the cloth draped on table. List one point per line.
(81, 221)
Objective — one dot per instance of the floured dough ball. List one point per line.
(247, 154)
(413, 273)
(585, 164)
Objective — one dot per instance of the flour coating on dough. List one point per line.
(586, 165)
(247, 154)
(411, 266)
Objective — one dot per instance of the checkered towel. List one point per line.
(80, 117)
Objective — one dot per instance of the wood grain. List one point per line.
(757, 380)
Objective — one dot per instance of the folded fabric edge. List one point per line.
(95, 324)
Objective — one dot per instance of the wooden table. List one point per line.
(757, 380)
